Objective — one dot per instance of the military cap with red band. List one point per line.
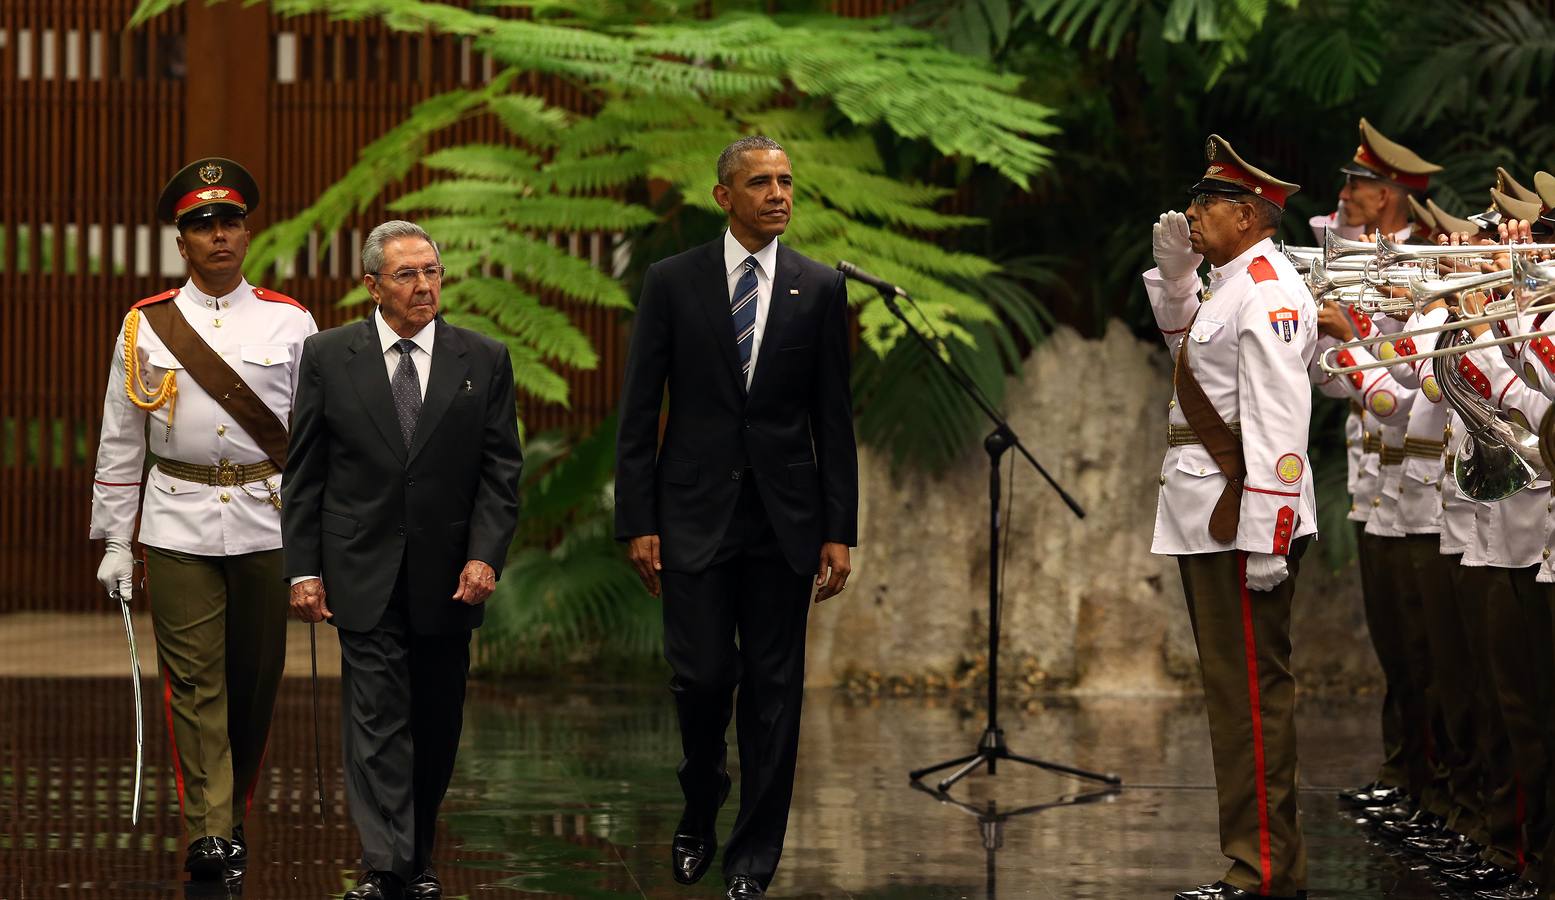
(1378, 157)
(208, 187)
(1229, 173)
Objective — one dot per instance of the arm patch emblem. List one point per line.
(1284, 321)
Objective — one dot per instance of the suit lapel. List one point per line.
(371, 381)
(780, 311)
(712, 292)
(449, 368)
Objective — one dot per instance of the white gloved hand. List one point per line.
(117, 570)
(1265, 571)
(1169, 243)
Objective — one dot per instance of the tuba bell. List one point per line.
(1499, 457)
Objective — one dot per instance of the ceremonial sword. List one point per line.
(318, 756)
(140, 735)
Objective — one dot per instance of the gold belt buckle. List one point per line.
(227, 475)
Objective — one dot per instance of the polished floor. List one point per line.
(571, 793)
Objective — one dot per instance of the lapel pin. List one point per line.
(793, 290)
(467, 387)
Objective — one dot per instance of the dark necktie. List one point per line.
(406, 388)
(743, 309)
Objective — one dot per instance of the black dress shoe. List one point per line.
(691, 854)
(377, 886)
(690, 857)
(1394, 812)
(1421, 824)
(744, 887)
(425, 886)
(1222, 891)
(1522, 890)
(1374, 794)
(237, 849)
(207, 859)
(1484, 875)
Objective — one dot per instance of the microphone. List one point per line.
(880, 284)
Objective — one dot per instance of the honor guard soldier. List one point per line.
(1236, 500)
(202, 377)
(1378, 184)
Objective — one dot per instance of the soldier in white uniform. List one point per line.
(202, 377)
(1236, 498)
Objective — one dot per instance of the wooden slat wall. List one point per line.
(89, 119)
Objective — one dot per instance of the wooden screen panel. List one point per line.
(90, 117)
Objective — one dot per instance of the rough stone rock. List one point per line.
(1087, 608)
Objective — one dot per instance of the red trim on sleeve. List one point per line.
(1262, 270)
(116, 483)
(1474, 376)
(1274, 493)
(1284, 523)
(1545, 351)
(1509, 382)
(1260, 782)
(1173, 330)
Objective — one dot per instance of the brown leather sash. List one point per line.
(1222, 443)
(225, 385)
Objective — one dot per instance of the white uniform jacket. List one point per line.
(1515, 531)
(1250, 343)
(259, 334)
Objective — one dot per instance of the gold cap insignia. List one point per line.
(1209, 149)
(1215, 170)
(210, 173)
(213, 194)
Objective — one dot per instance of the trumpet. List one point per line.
(1327, 364)
(1390, 252)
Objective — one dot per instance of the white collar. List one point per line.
(202, 299)
(1239, 265)
(387, 336)
(735, 255)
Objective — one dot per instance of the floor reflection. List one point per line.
(571, 793)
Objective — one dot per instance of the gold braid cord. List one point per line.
(166, 393)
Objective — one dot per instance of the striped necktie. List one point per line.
(742, 308)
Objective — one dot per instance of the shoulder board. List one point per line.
(157, 298)
(277, 297)
(1262, 270)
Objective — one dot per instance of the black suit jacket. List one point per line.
(357, 504)
(794, 427)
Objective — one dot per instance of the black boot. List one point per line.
(207, 859)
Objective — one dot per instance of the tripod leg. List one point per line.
(962, 772)
(919, 773)
(1067, 770)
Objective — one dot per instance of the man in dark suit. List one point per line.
(401, 491)
(754, 489)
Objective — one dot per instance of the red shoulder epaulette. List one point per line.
(1262, 270)
(277, 297)
(157, 298)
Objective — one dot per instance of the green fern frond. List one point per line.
(530, 373)
(495, 162)
(523, 317)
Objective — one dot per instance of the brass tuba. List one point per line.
(1499, 457)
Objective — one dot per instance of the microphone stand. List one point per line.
(992, 747)
(991, 821)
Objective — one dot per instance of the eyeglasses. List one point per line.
(434, 274)
(1201, 200)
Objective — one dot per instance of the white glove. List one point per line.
(117, 570)
(1265, 571)
(1174, 255)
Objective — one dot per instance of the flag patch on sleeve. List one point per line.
(1284, 321)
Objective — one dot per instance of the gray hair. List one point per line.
(1266, 214)
(372, 248)
(730, 158)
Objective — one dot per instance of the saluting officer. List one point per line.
(1236, 498)
(202, 376)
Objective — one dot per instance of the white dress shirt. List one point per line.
(735, 255)
(422, 354)
(260, 337)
